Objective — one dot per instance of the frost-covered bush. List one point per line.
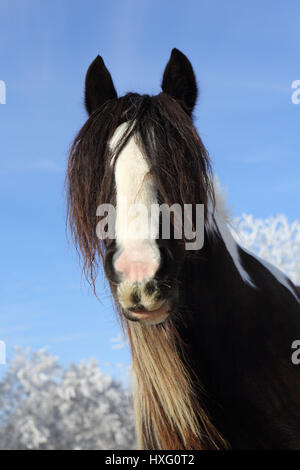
(46, 406)
(273, 239)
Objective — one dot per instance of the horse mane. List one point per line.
(168, 410)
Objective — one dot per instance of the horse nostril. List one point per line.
(135, 297)
(150, 288)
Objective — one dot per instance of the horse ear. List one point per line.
(99, 86)
(179, 81)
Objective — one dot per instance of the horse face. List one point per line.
(142, 267)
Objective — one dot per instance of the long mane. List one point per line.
(168, 411)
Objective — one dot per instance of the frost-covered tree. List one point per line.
(46, 406)
(273, 239)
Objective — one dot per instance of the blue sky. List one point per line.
(245, 55)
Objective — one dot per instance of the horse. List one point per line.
(210, 329)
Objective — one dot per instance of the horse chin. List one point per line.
(153, 317)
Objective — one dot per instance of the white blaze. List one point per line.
(136, 196)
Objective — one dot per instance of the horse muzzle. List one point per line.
(143, 301)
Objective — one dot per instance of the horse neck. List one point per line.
(207, 278)
(211, 290)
